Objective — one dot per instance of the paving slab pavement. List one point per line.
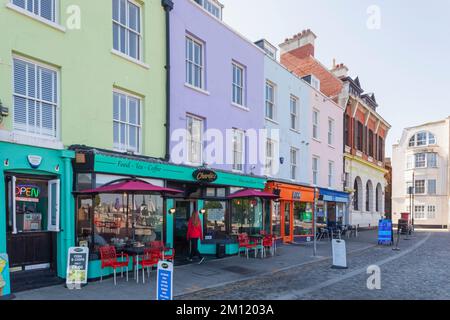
(212, 273)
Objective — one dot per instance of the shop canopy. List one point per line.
(250, 193)
(131, 186)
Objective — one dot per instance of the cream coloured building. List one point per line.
(421, 160)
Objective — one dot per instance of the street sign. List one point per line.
(339, 254)
(164, 281)
(77, 266)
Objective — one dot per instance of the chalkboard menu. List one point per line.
(77, 266)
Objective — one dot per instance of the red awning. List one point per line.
(132, 186)
(250, 193)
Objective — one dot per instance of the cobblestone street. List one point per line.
(418, 271)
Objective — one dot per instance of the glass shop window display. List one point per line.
(31, 199)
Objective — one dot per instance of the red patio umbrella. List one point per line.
(133, 187)
(250, 193)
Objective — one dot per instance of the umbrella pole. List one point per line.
(133, 222)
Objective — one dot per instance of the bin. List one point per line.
(220, 250)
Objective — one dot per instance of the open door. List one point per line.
(12, 204)
(53, 206)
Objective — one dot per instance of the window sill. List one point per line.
(21, 137)
(295, 130)
(27, 13)
(331, 146)
(271, 120)
(126, 152)
(317, 140)
(187, 85)
(128, 58)
(240, 107)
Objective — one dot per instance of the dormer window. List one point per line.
(422, 139)
(315, 82)
(212, 6)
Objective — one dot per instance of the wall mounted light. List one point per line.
(202, 211)
(6, 163)
(172, 210)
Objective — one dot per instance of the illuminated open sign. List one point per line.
(27, 193)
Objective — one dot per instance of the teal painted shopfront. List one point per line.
(102, 219)
(36, 220)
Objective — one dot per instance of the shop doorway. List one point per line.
(32, 207)
(183, 211)
(287, 222)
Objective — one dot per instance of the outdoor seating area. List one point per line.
(338, 231)
(144, 257)
(258, 243)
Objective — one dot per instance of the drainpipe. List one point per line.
(168, 6)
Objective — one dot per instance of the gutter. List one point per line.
(168, 6)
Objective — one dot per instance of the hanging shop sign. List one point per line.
(164, 282)
(204, 175)
(77, 266)
(34, 161)
(27, 193)
(4, 275)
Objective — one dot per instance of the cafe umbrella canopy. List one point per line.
(131, 187)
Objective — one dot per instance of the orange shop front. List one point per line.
(292, 215)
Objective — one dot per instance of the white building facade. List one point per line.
(420, 181)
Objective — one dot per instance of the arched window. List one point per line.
(356, 196)
(423, 138)
(369, 196)
(379, 198)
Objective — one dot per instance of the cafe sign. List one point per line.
(27, 193)
(204, 175)
(77, 267)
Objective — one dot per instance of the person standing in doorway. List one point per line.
(195, 233)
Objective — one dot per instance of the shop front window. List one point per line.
(321, 217)
(246, 216)
(303, 219)
(276, 219)
(33, 205)
(214, 219)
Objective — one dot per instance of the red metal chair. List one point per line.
(157, 244)
(110, 259)
(150, 259)
(268, 242)
(244, 243)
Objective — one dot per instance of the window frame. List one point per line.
(56, 105)
(268, 169)
(241, 87)
(192, 64)
(294, 116)
(422, 187)
(55, 11)
(293, 162)
(272, 102)
(242, 151)
(129, 30)
(127, 123)
(431, 209)
(188, 154)
(434, 189)
(330, 174)
(316, 124)
(315, 170)
(331, 125)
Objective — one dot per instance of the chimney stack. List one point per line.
(302, 42)
(340, 70)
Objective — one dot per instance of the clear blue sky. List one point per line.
(406, 63)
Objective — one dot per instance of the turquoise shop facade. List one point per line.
(103, 162)
(51, 169)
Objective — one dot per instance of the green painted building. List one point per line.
(71, 72)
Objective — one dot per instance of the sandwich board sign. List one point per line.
(77, 267)
(385, 234)
(164, 281)
(5, 289)
(339, 254)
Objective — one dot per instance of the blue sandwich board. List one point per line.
(385, 235)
